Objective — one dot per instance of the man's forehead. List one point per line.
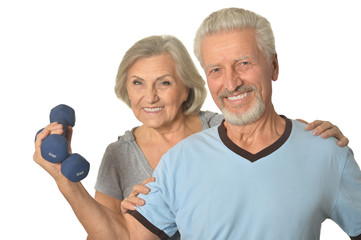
(233, 46)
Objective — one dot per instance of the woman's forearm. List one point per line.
(97, 220)
(100, 222)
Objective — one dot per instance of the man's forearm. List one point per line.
(97, 220)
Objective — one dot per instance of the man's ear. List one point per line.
(275, 67)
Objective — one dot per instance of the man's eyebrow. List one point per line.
(235, 60)
(242, 58)
(211, 66)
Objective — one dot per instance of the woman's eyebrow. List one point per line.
(164, 76)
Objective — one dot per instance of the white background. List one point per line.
(54, 52)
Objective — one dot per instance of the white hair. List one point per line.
(231, 19)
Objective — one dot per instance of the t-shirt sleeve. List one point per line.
(108, 180)
(347, 210)
(157, 214)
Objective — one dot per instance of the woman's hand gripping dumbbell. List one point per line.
(55, 147)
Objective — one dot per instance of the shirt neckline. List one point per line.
(264, 152)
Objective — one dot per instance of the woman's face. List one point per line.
(155, 91)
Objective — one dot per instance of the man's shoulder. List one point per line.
(202, 136)
(298, 130)
(197, 141)
(306, 140)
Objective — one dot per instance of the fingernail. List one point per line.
(324, 135)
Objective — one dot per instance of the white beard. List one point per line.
(248, 117)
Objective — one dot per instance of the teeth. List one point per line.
(153, 109)
(238, 96)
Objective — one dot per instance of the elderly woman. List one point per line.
(159, 81)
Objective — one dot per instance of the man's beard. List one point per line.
(247, 117)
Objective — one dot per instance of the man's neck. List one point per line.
(258, 135)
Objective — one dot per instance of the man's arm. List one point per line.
(99, 221)
(347, 210)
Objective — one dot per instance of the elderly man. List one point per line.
(258, 175)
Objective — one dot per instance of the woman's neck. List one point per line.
(155, 142)
(184, 126)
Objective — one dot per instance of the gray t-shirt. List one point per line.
(124, 164)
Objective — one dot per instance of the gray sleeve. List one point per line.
(210, 119)
(108, 180)
(123, 166)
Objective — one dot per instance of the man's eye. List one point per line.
(244, 65)
(214, 70)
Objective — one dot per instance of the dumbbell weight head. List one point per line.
(75, 167)
(63, 114)
(54, 148)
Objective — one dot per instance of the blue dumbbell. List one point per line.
(54, 147)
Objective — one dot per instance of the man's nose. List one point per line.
(232, 80)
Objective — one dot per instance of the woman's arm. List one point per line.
(132, 201)
(99, 221)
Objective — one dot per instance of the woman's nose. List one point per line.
(151, 95)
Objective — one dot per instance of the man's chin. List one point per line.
(244, 118)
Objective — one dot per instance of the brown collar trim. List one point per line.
(250, 156)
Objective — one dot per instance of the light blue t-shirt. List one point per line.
(208, 188)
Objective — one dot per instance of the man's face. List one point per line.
(238, 75)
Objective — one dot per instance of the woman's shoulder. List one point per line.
(128, 136)
(123, 141)
(210, 119)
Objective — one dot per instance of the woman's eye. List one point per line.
(165, 83)
(136, 82)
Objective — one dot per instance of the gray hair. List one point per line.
(185, 68)
(230, 19)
